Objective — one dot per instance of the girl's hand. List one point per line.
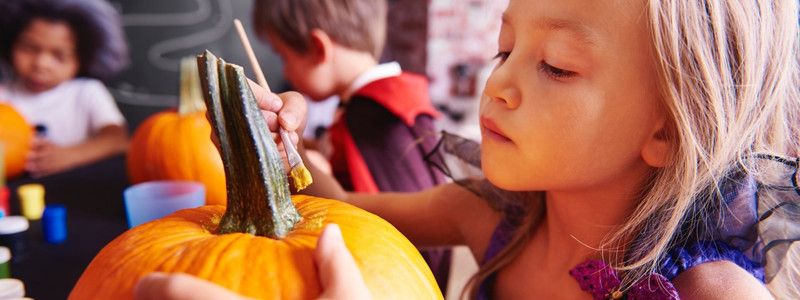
(180, 287)
(46, 158)
(338, 274)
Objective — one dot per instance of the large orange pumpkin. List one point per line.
(16, 136)
(174, 145)
(261, 245)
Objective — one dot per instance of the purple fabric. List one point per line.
(599, 279)
(680, 259)
(596, 277)
(393, 152)
(654, 286)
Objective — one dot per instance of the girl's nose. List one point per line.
(42, 61)
(501, 87)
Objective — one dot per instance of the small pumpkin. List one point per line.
(261, 245)
(16, 136)
(175, 145)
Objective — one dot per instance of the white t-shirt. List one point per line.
(72, 111)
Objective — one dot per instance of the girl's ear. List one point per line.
(658, 148)
(321, 46)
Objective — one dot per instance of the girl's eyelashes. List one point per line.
(555, 73)
(549, 70)
(502, 55)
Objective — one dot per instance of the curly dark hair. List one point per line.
(101, 45)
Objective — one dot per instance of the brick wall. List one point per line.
(452, 42)
(407, 34)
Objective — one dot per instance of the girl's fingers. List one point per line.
(338, 271)
(179, 287)
(39, 143)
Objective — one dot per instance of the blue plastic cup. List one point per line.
(152, 200)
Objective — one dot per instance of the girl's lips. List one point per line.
(491, 130)
(35, 85)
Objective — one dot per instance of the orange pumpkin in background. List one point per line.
(262, 244)
(16, 136)
(174, 145)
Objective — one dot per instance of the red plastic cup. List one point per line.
(4, 195)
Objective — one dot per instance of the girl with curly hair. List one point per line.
(59, 54)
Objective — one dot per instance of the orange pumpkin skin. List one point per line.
(171, 146)
(16, 136)
(254, 266)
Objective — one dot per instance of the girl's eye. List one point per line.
(60, 57)
(554, 72)
(502, 55)
(25, 47)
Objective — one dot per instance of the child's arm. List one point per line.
(443, 215)
(47, 158)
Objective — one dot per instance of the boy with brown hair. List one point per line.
(386, 121)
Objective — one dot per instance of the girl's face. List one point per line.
(44, 55)
(573, 98)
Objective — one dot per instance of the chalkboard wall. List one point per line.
(161, 32)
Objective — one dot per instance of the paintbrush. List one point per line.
(301, 177)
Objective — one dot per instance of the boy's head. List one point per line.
(305, 32)
(356, 24)
(47, 42)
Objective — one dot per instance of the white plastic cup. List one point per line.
(13, 231)
(11, 288)
(153, 200)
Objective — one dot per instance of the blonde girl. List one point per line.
(639, 149)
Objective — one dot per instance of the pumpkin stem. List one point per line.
(259, 201)
(190, 99)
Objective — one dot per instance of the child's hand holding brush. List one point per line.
(287, 123)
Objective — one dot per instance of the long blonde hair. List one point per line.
(730, 80)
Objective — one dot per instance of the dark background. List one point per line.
(161, 32)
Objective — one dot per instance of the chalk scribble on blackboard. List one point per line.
(156, 54)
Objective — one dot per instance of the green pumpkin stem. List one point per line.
(259, 201)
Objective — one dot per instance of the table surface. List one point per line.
(95, 216)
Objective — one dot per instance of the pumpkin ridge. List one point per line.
(215, 247)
